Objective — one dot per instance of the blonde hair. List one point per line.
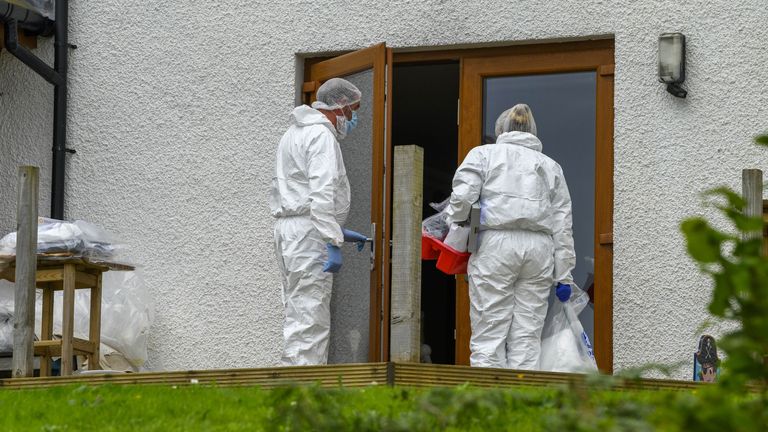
(518, 118)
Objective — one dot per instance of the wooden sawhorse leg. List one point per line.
(94, 335)
(46, 332)
(68, 319)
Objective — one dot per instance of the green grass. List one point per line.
(156, 408)
(203, 408)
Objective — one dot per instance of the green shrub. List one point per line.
(740, 273)
(739, 401)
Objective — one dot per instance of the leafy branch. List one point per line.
(734, 260)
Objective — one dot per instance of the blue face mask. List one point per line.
(351, 124)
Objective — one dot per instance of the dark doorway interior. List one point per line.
(424, 113)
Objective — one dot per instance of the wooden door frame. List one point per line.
(317, 71)
(597, 56)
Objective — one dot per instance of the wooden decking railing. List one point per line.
(348, 375)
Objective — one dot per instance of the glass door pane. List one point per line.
(350, 300)
(358, 290)
(563, 105)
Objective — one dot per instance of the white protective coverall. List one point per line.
(526, 246)
(310, 199)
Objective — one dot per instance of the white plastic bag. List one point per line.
(457, 237)
(565, 346)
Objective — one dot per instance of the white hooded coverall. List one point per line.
(310, 199)
(526, 246)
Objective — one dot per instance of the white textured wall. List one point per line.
(176, 108)
(26, 132)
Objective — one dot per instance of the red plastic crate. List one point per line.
(449, 260)
(429, 251)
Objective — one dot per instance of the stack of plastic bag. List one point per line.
(565, 346)
(71, 239)
(126, 307)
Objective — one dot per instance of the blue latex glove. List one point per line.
(333, 265)
(563, 292)
(353, 236)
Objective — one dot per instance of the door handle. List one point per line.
(372, 240)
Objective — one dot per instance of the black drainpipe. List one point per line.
(15, 18)
(61, 64)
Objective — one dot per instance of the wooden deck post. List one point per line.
(26, 270)
(752, 191)
(407, 199)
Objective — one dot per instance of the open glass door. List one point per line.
(570, 90)
(359, 299)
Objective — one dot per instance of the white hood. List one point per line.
(304, 115)
(520, 138)
(310, 178)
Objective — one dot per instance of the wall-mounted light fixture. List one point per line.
(672, 62)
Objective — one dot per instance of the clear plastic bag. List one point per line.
(6, 324)
(126, 315)
(73, 239)
(442, 205)
(98, 243)
(45, 8)
(565, 346)
(436, 226)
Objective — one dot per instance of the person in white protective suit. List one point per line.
(311, 199)
(526, 242)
